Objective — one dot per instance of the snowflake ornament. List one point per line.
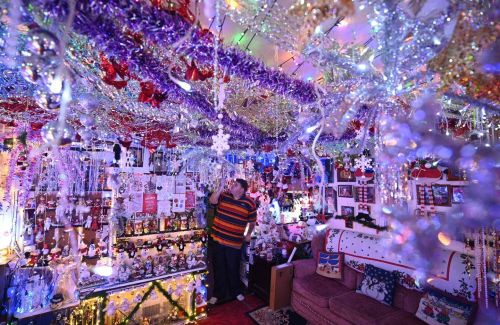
(363, 163)
(220, 142)
(176, 164)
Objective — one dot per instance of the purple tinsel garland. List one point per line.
(111, 41)
(164, 28)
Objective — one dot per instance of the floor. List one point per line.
(233, 312)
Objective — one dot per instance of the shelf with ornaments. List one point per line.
(149, 224)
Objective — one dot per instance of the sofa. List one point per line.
(322, 300)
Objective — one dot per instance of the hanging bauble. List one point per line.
(54, 78)
(42, 43)
(31, 69)
(51, 133)
(46, 100)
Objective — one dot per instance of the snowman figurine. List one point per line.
(41, 208)
(191, 260)
(81, 209)
(47, 223)
(91, 250)
(88, 222)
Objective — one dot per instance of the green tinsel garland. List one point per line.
(157, 285)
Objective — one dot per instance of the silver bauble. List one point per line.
(41, 42)
(55, 79)
(50, 133)
(46, 100)
(31, 69)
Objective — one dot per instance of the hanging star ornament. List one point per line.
(220, 142)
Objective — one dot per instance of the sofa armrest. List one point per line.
(302, 268)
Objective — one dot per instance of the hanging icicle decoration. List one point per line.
(483, 269)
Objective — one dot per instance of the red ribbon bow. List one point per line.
(149, 94)
(113, 70)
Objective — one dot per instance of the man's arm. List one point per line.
(249, 230)
(214, 198)
(252, 218)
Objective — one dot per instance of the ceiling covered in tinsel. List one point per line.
(256, 71)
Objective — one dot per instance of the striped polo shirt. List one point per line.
(232, 218)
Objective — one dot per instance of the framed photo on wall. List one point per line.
(331, 199)
(347, 211)
(441, 194)
(457, 196)
(344, 175)
(345, 191)
(454, 174)
(136, 158)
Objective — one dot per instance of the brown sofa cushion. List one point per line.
(400, 317)
(350, 277)
(360, 309)
(319, 289)
(407, 299)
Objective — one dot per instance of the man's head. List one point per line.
(239, 188)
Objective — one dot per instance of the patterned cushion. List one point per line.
(378, 284)
(330, 264)
(437, 308)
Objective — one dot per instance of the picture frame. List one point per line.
(457, 196)
(346, 176)
(347, 211)
(345, 191)
(137, 156)
(331, 199)
(370, 194)
(441, 194)
(455, 175)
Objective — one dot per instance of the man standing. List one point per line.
(235, 211)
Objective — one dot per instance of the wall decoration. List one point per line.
(425, 198)
(368, 192)
(190, 200)
(344, 175)
(345, 191)
(150, 203)
(178, 202)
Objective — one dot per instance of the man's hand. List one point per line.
(214, 198)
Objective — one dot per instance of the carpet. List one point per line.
(285, 316)
(233, 312)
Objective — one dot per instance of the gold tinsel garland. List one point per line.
(458, 62)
